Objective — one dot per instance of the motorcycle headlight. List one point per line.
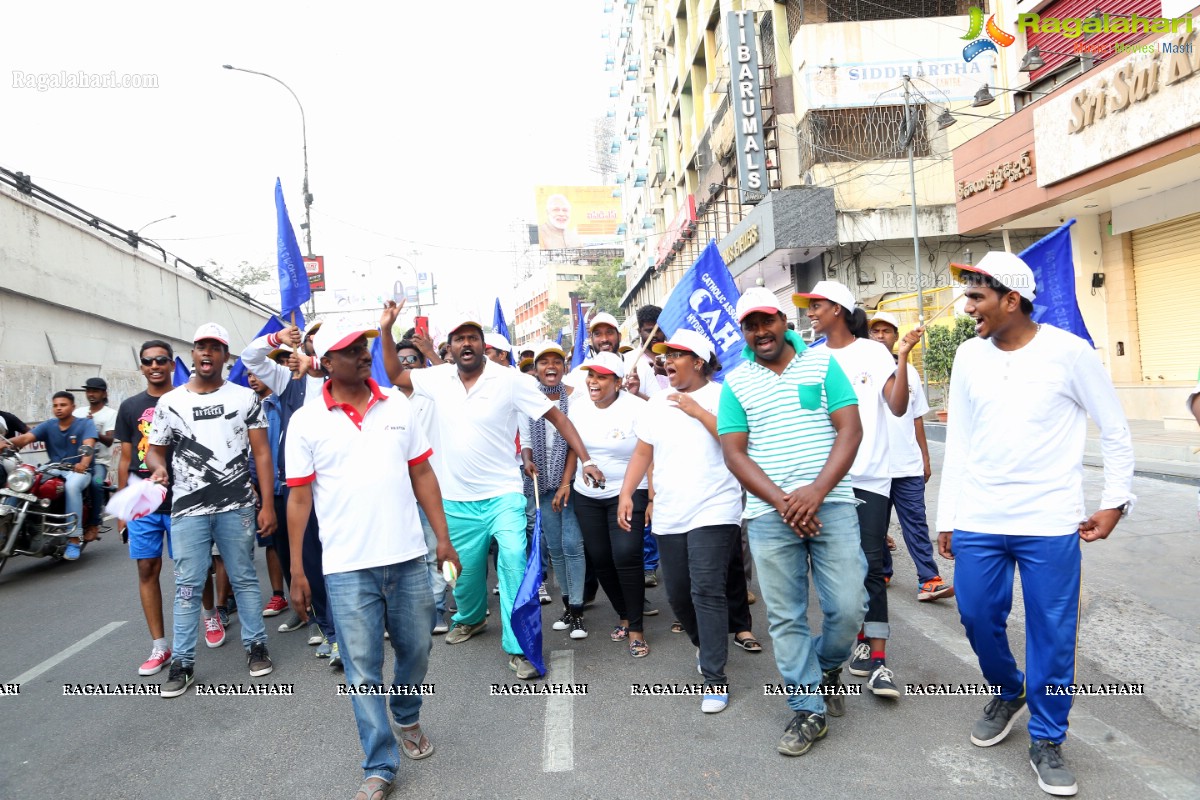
(21, 479)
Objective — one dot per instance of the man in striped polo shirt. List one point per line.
(790, 429)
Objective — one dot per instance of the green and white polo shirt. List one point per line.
(787, 417)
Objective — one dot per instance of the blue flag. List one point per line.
(704, 301)
(558, 341)
(526, 616)
(238, 373)
(498, 323)
(182, 373)
(294, 291)
(579, 353)
(1054, 276)
(378, 372)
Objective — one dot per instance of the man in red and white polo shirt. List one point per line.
(362, 457)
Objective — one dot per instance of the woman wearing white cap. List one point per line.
(677, 432)
(882, 389)
(606, 427)
(546, 454)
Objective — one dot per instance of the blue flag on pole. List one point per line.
(704, 301)
(182, 373)
(378, 372)
(558, 340)
(579, 353)
(238, 373)
(294, 291)
(526, 616)
(1054, 276)
(498, 323)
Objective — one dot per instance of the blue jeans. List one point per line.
(649, 550)
(192, 539)
(364, 603)
(838, 569)
(437, 584)
(99, 474)
(908, 498)
(562, 537)
(76, 484)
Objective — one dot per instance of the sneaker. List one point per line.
(563, 622)
(275, 606)
(831, 680)
(544, 596)
(314, 634)
(223, 615)
(441, 626)
(860, 660)
(178, 680)
(648, 610)
(154, 664)
(714, 703)
(231, 605)
(578, 631)
(462, 631)
(935, 589)
(258, 660)
(651, 578)
(214, 631)
(887, 581)
(1053, 776)
(324, 649)
(72, 552)
(524, 668)
(804, 729)
(882, 682)
(335, 657)
(751, 598)
(997, 720)
(291, 623)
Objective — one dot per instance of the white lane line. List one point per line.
(58, 658)
(1111, 742)
(558, 748)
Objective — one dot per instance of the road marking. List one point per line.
(558, 748)
(1115, 745)
(58, 658)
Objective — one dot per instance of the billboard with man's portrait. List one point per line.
(577, 216)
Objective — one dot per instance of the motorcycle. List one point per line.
(33, 518)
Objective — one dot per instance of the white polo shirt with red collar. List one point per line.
(358, 468)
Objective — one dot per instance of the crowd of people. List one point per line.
(383, 509)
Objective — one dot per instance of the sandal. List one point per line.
(373, 788)
(619, 633)
(676, 627)
(638, 648)
(415, 737)
(749, 644)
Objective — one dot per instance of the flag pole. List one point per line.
(642, 349)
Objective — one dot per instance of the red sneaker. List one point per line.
(214, 631)
(275, 605)
(935, 589)
(157, 660)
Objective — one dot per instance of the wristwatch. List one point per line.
(589, 463)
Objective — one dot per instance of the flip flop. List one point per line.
(415, 736)
(373, 788)
(749, 644)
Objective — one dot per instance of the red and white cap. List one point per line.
(497, 342)
(211, 330)
(688, 340)
(757, 298)
(832, 291)
(606, 364)
(335, 337)
(1008, 269)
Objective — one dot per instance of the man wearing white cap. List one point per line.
(211, 425)
(1012, 496)
(790, 429)
(361, 457)
(497, 348)
(476, 402)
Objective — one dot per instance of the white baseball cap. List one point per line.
(603, 318)
(311, 330)
(546, 346)
(883, 316)
(497, 341)
(687, 339)
(606, 363)
(336, 337)
(211, 330)
(757, 298)
(832, 291)
(1008, 269)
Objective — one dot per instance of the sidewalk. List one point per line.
(1158, 453)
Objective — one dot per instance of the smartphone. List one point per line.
(422, 326)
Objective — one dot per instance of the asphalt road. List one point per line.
(1140, 613)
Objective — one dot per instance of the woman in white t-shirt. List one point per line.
(698, 542)
(881, 390)
(606, 427)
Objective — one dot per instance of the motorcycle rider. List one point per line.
(64, 436)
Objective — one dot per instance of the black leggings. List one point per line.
(614, 555)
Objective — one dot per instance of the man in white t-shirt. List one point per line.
(104, 417)
(362, 458)
(651, 378)
(908, 454)
(476, 402)
(1012, 497)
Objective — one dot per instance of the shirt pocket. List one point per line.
(810, 396)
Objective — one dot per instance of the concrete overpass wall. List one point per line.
(76, 302)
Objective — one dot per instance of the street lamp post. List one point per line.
(910, 117)
(148, 224)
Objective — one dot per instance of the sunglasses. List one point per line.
(409, 359)
(158, 361)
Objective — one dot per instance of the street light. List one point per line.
(304, 135)
(911, 135)
(148, 224)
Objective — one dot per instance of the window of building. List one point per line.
(569, 276)
(860, 134)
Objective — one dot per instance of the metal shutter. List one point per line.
(1166, 271)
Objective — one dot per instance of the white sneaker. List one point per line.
(563, 622)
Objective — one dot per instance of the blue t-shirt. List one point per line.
(63, 445)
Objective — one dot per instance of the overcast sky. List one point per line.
(427, 128)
